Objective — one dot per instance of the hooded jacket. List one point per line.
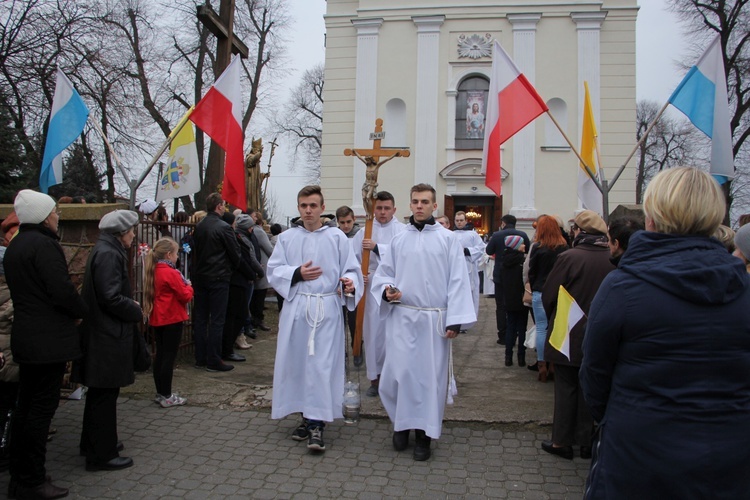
(665, 372)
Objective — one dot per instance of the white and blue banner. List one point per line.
(702, 96)
(67, 119)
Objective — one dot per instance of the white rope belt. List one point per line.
(314, 317)
(452, 388)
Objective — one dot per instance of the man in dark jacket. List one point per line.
(496, 247)
(217, 254)
(580, 271)
(44, 337)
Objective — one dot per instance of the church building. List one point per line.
(423, 67)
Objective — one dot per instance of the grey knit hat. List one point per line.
(742, 240)
(118, 221)
(244, 222)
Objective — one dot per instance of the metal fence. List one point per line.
(147, 233)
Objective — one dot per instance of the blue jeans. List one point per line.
(541, 324)
(209, 315)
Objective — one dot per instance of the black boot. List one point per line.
(400, 440)
(422, 445)
(521, 359)
(508, 360)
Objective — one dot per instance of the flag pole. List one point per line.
(583, 162)
(605, 185)
(112, 152)
(172, 134)
(638, 144)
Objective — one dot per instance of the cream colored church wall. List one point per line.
(556, 77)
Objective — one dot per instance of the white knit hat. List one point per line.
(32, 207)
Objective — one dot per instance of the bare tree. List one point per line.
(669, 144)
(730, 20)
(301, 120)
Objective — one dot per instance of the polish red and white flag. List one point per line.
(219, 115)
(512, 104)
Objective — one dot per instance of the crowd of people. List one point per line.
(650, 382)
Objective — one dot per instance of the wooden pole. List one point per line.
(572, 147)
(638, 144)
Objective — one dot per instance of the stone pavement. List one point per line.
(223, 444)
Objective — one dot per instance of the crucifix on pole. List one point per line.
(372, 161)
(222, 26)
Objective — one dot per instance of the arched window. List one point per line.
(471, 107)
(395, 124)
(552, 136)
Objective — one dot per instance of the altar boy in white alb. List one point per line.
(424, 279)
(310, 264)
(384, 228)
(473, 254)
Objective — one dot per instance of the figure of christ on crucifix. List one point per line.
(372, 161)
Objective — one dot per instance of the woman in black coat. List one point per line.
(44, 337)
(107, 336)
(666, 354)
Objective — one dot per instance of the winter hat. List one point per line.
(32, 207)
(244, 222)
(742, 240)
(513, 242)
(148, 206)
(590, 222)
(118, 221)
(228, 217)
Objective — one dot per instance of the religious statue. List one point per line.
(369, 188)
(254, 176)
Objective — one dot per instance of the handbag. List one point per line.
(141, 355)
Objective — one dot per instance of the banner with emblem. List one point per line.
(181, 175)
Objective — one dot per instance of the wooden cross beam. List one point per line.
(220, 27)
(372, 161)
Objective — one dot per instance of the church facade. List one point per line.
(423, 67)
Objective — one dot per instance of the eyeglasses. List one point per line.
(58, 212)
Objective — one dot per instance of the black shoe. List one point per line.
(522, 360)
(358, 360)
(561, 451)
(120, 447)
(315, 441)
(421, 446)
(200, 365)
(372, 391)
(501, 341)
(116, 463)
(46, 491)
(251, 334)
(462, 331)
(508, 360)
(262, 326)
(401, 440)
(586, 452)
(534, 367)
(221, 367)
(301, 432)
(238, 358)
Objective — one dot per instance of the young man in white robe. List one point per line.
(384, 228)
(424, 281)
(310, 264)
(473, 248)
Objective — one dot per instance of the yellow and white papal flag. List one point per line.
(569, 313)
(181, 176)
(588, 193)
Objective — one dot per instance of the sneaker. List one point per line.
(158, 399)
(172, 400)
(301, 432)
(315, 441)
(372, 391)
(199, 366)
(221, 367)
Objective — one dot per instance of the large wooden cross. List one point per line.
(372, 161)
(222, 26)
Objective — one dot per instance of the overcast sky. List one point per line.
(659, 46)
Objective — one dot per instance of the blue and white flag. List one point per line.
(702, 96)
(66, 121)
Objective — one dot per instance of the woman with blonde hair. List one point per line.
(667, 353)
(165, 296)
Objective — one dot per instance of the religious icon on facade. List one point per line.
(475, 115)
